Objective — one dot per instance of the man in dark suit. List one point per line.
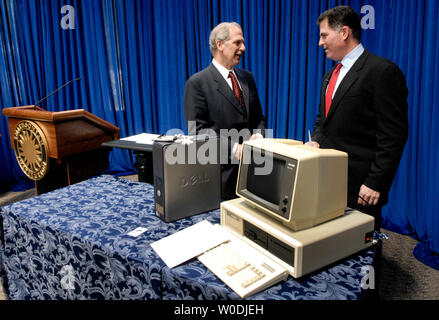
(224, 99)
(363, 111)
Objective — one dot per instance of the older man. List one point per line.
(222, 97)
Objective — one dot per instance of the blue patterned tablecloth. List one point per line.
(72, 243)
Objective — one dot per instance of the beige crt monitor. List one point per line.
(299, 185)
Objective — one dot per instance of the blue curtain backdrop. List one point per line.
(135, 56)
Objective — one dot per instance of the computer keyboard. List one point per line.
(243, 268)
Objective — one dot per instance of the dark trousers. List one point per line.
(375, 211)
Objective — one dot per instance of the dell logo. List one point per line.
(194, 180)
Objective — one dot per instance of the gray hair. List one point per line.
(222, 33)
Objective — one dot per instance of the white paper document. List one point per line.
(189, 243)
(137, 232)
(143, 138)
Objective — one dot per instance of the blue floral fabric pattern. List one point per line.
(73, 243)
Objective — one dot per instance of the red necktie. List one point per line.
(236, 89)
(331, 86)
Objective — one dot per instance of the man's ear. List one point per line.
(219, 45)
(345, 32)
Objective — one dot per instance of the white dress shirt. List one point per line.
(347, 63)
(225, 74)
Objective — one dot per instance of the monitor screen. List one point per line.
(266, 186)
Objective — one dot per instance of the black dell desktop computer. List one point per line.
(187, 176)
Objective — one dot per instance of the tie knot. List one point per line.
(338, 67)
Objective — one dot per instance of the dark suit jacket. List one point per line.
(211, 103)
(368, 120)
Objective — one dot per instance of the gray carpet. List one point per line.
(403, 277)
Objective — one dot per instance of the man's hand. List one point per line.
(238, 152)
(367, 196)
(314, 144)
(256, 136)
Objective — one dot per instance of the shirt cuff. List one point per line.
(235, 147)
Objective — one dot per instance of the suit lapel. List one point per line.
(225, 90)
(347, 83)
(326, 79)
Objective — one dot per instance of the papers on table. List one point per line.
(142, 138)
(137, 232)
(189, 243)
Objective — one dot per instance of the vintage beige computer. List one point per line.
(292, 210)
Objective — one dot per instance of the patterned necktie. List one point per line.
(236, 89)
(331, 86)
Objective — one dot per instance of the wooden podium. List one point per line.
(57, 149)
